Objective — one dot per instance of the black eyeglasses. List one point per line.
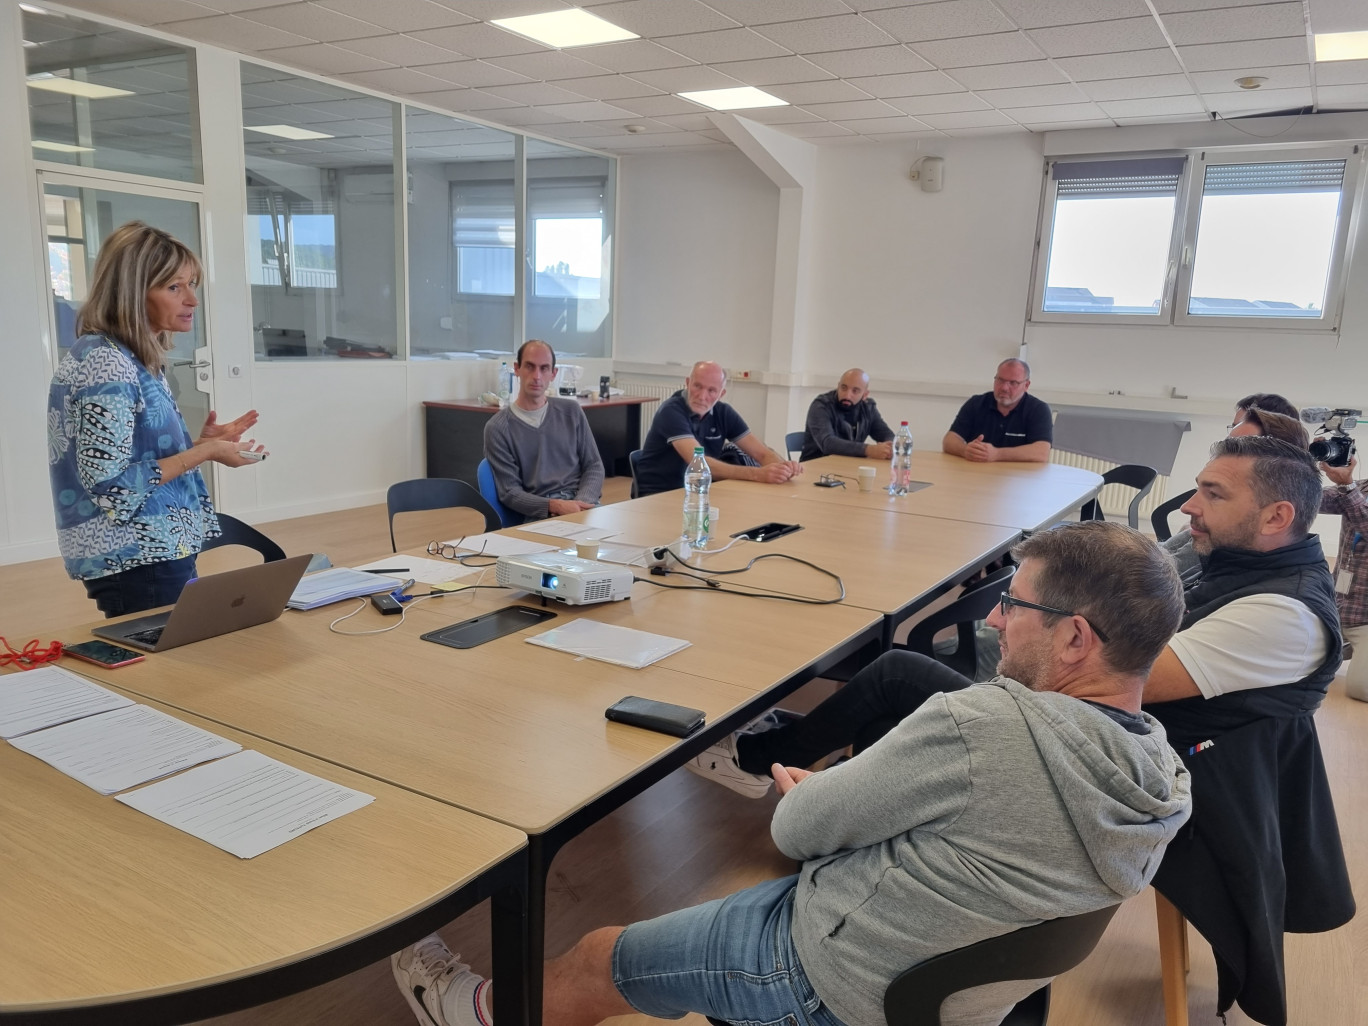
(831, 481)
(1008, 601)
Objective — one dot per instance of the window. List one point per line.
(1224, 240)
(290, 249)
(484, 235)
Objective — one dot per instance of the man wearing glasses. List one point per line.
(1044, 793)
(1006, 424)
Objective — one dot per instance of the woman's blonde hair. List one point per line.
(135, 259)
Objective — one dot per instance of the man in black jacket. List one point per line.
(839, 422)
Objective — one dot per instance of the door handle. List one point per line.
(191, 363)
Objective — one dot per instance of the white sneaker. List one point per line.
(718, 763)
(440, 990)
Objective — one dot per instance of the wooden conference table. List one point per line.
(110, 916)
(515, 732)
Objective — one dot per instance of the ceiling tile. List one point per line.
(780, 115)
(1034, 96)
(1287, 77)
(325, 58)
(941, 103)
(1120, 65)
(1171, 119)
(774, 71)
(483, 10)
(570, 130)
(233, 33)
(1043, 13)
(610, 87)
(472, 74)
(648, 126)
(656, 106)
(1057, 112)
(817, 129)
(402, 50)
(762, 12)
(1244, 101)
(654, 19)
(1219, 56)
(1138, 88)
(1167, 6)
(548, 65)
(831, 91)
(851, 110)
(398, 80)
(1341, 73)
(970, 133)
(738, 44)
(822, 35)
(479, 40)
(678, 80)
(526, 117)
(1003, 48)
(150, 12)
(882, 126)
(874, 60)
(1100, 37)
(689, 122)
(967, 119)
(537, 94)
(467, 99)
(312, 21)
(1006, 76)
(917, 84)
(226, 6)
(948, 20)
(397, 15)
(631, 55)
(1342, 96)
(1154, 106)
(593, 111)
(1266, 21)
(1066, 126)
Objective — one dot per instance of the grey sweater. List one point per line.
(558, 460)
(986, 810)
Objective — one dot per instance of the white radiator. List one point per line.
(1115, 499)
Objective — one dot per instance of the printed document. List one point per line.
(427, 571)
(498, 545)
(48, 695)
(566, 529)
(610, 644)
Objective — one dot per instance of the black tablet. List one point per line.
(488, 626)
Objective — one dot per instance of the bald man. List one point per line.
(693, 416)
(1005, 424)
(839, 422)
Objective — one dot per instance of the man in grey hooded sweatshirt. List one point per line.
(1045, 792)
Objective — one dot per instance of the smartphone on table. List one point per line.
(102, 653)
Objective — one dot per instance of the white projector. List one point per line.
(567, 579)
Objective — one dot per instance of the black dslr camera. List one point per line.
(1332, 445)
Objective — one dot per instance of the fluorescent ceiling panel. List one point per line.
(1341, 46)
(287, 131)
(72, 87)
(740, 98)
(563, 29)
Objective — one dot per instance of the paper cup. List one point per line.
(865, 475)
(586, 549)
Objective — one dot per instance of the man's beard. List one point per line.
(845, 404)
(1027, 668)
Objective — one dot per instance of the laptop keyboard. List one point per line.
(148, 637)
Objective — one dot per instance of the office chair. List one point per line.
(974, 604)
(235, 532)
(634, 457)
(436, 493)
(484, 474)
(793, 443)
(1159, 519)
(1132, 475)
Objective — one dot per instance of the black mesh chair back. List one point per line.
(1035, 952)
(437, 493)
(633, 458)
(1159, 519)
(235, 532)
(1132, 475)
(793, 443)
(974, 604)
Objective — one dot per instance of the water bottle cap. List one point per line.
(904, 423)
(697, 449)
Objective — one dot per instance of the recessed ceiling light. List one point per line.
(1251, 81)
(1341, 46)
(287, 132)
(563, 29)
(738, 98)
(56, 147)
(73, 87)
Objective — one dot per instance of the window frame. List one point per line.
(1173, 310)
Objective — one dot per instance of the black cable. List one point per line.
(766, 555)
(457, 591)
(717, 585)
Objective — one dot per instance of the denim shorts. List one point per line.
(732, 959)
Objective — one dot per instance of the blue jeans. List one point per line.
(732, 959)
(143, 587)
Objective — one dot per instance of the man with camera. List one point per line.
(1346, 498)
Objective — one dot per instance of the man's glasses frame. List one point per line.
(1008, 600)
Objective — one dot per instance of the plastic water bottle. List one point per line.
(901, 480)
(697, 481)
(505, 383)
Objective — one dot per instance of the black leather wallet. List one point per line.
(675, 720)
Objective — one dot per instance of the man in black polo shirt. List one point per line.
(696, 416)
(1004, 424)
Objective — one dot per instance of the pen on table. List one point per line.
(388, 570)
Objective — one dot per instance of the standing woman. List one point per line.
(132, 509)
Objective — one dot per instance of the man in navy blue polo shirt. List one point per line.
(695, 416)
(1004, 424)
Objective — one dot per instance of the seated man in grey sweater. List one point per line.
(543, 455)
(1045, 792)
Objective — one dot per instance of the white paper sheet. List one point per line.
(247, 803)
(120, 749)
(335, 585)
(428, 571)
(610, 644)
(567, 529)
(498, 545)
(48, 695)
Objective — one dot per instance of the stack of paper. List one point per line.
(50, 695)
(567, 529)
(428, 571)
(337, 584)
(607, 643)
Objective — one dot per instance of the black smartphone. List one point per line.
(675, 720)
(102, 653)
(488, 626)
(768, 532)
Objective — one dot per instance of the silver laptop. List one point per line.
(214, 605)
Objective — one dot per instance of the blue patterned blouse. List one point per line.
(109, 421)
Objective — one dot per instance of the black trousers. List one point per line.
(871, 704)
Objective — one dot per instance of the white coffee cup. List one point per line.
(866, 478)
(586, 549)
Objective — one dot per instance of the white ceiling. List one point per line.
(852, 70)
